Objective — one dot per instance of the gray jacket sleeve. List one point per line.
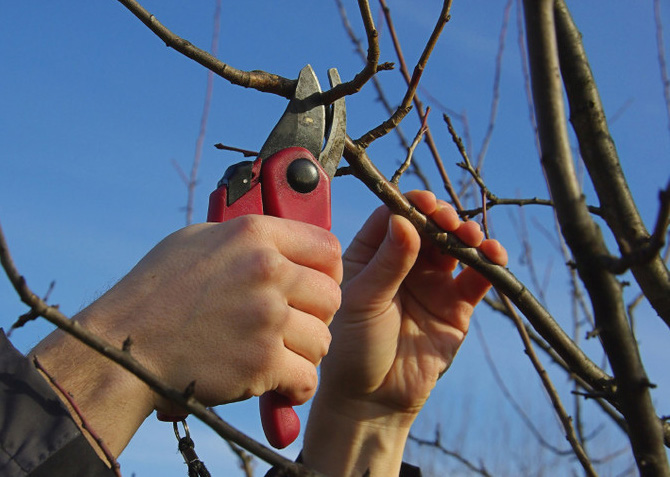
(38, 437)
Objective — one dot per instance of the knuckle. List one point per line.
(334, 297)
(310, 381)
(248, 227)
(329, 250)
(325, 339)
(332, 246)
(270, 311)
(266, 265)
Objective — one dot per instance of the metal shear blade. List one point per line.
(306, 121)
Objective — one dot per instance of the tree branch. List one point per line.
(416, 170)
(371, 64)
(363, 168)
(585, 241)
(436, 444)
(259, 80)
(410, 150)
(565, 419)
(601, 159)
(419, 106)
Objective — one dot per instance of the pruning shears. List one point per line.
(289, 179)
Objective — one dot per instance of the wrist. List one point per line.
(349, 442)
(112, 401)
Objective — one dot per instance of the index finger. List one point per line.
(307, 245)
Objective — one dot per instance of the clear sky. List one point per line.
(94, 109)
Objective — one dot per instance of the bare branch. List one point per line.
(417, 102)
(661, 57)
(416, 169)
(652, 247)
(466, 164)
(259, 80)
(246, 460)
(410, 151)
(371, 61)
(601, 159)
(31, 315)
(527, 421)
(436, 444)
(363, 168)
(565, 419)
(526, 73)
(244, 152)
(585, 241)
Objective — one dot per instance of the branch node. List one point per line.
(593, 333)
(386, 66)
(190, 390)
(127, 343)
(645, 383)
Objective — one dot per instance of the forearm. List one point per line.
(37, 435)
(113, 402)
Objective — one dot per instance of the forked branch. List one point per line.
(586, 243)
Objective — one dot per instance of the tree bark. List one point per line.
(602, 162)
(586, 243)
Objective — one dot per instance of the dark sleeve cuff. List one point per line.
(37, 434)
(406, 470)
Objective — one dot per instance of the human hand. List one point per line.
(404, 314)
(240, 308)
(403, 317)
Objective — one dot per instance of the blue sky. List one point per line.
(94, 109)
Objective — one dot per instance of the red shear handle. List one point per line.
(289, 184)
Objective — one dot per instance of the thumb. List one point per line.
(378, 283)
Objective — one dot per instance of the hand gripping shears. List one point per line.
(290, 179)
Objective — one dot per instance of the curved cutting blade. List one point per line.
(337, 133)
(303, 123)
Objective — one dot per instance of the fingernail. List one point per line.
(392, 232)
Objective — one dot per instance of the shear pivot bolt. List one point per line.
(302, 175)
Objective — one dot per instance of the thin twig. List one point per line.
(466, 164)
(528, 422)
(244, 152)
(193, 178)
(520, 202)
(259, 80)
(436, 444)
(371, 59)
(246, 460)
(410, 150)
(416, 169)
(31, 315)
(406, 104)
(523, 237)
(444, 16)
(496, 87)
(661, 57)
(563, 416)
